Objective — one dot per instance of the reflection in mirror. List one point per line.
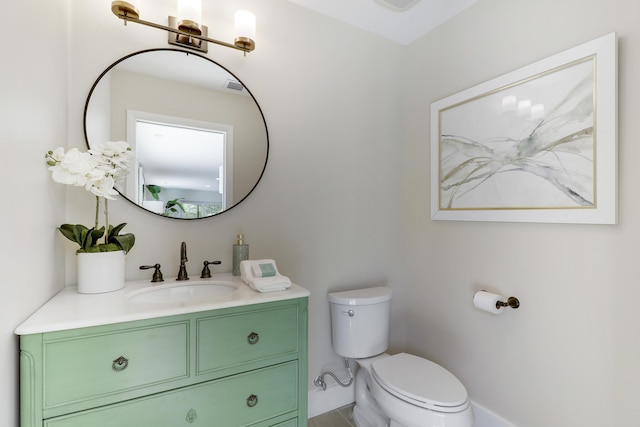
(200, 138)
(185, 167)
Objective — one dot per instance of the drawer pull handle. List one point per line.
(120, 364)
(252, 401)
(192, 415)
(253, 338)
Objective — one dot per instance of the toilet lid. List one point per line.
(420, 382)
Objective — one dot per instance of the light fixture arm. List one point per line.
(128, 13)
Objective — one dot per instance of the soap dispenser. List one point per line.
(240, 253)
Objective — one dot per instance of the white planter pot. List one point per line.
(100, 272)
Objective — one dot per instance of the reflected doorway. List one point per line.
(182, 167)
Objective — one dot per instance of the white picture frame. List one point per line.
(538, 144)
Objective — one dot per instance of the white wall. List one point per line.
(569, 356)
(327, 209)
(33, 119)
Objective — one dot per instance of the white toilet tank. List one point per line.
(360, 322)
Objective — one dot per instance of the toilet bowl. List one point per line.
(415, 392)
(400, 390)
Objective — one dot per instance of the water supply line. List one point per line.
(320, 382)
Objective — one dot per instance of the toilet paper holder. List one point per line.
(512, 302)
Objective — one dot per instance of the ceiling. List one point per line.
(381, 18)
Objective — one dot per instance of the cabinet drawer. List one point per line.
(84, 367)
(239, 400)
(231, 340)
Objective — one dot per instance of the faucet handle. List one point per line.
(157, 274)
(206, 273)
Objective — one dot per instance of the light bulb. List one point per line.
(245, 25)
(189, 14)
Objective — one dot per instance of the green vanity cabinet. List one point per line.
(237, 366)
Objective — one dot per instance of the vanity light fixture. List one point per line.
(186, 30)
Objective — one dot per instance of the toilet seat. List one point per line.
(420, 382)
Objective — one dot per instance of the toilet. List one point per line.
(400, 390)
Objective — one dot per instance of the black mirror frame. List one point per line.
(109, 68)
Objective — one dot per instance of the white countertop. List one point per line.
(70, 310)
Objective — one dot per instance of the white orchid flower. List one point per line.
(73, 167)
(114, 157)
(57, 154)
(103, 188)
(96, 170)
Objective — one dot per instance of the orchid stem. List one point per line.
(95, 227)
(106, 222)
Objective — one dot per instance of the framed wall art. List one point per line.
(538, 144)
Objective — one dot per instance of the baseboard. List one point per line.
(332, 398)
(486, 418)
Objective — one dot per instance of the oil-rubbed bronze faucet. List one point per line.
(157, 274)
(182, 273)
(206, 272)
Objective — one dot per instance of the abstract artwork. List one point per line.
(535, 145)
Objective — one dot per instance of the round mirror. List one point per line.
(200, 139)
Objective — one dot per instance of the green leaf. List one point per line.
(88, 238)
(154, 190)
(85, 238)
(171, 205)
(114, 231)
(73, 232)
(125, 241)
(91, 236)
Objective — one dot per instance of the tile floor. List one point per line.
(340, 417)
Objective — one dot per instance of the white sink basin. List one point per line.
(184, 292)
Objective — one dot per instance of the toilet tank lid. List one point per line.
(366, 296)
